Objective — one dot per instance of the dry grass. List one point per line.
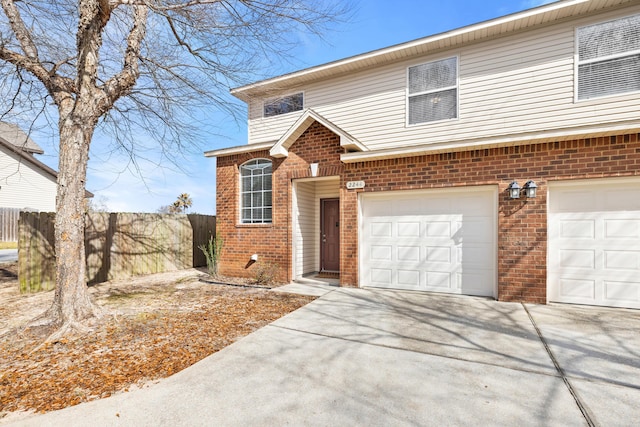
(153, 327)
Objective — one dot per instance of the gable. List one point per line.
(20, 156)
(13, 135)
(23, 185)
(317, 144)
(281, 147)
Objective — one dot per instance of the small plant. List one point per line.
(212, 251)
(266, 273)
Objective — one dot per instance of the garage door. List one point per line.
(594, 243)
(436, 240)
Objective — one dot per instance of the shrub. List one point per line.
(266, 273)
(212, 251)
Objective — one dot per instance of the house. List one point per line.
(25, 182)
(501, 159)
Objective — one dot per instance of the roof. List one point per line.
(12, 134)
(517, 22)
(26, 156)
(280, 148)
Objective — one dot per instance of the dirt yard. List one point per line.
(151, 328)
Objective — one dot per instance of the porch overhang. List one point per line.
(281, 148)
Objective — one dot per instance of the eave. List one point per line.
(241, 149)
(280, 148)
(29, 158)
(517, 22)
(538, 137)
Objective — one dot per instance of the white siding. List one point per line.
(521, 83)
(307, 222)
(24, 186)
(304, 228)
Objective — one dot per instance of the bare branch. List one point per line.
(121, 84)
(20, 30)
(159, 8)
(146, 74)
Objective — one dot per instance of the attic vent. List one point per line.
(609, 58)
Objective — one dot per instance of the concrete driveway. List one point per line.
(381, 358)
(8, 255)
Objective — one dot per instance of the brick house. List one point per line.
(414, 167)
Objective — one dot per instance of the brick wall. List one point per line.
(522, 224)
(272, 242)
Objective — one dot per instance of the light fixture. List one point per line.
(530, 189)
(514, 190)
(314, 169)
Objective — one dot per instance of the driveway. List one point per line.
(8, 255)
(380, 358)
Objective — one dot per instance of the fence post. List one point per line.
(9, 224)
(117, 246)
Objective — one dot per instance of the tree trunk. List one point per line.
(72, 303)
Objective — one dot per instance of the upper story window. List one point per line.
(283, 104)
(255, 197)
(433, 91)
(609, 58)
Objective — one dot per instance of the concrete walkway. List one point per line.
(382, 358)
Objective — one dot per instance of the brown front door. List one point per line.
(330, 235)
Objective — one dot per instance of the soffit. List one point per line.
(521, 21)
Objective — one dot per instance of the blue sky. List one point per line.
(375, 24)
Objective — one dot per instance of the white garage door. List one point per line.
(435, 240)
(594, 243)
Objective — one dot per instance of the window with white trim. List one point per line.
(255, 194)
(283, 104)
(609, 58)
(433, 91)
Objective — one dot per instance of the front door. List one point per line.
(330, 235)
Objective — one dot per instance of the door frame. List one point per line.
(322, 227)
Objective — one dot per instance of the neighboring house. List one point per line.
(25, 182)
(395, 168)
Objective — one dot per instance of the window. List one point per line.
(256, 192)
(283, 105)
(609, 58)
(433, 91)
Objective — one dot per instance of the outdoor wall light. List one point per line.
(314, 169)
(514, 190)
(530, 189)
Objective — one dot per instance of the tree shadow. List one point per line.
(117, 246)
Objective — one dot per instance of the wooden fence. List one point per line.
(9, 224)
(117, 246)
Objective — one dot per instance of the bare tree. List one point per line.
(164, 209)
(96, 204)
(131, 68)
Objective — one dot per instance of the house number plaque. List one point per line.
(352, 185)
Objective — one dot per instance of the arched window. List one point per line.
(255, 197)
